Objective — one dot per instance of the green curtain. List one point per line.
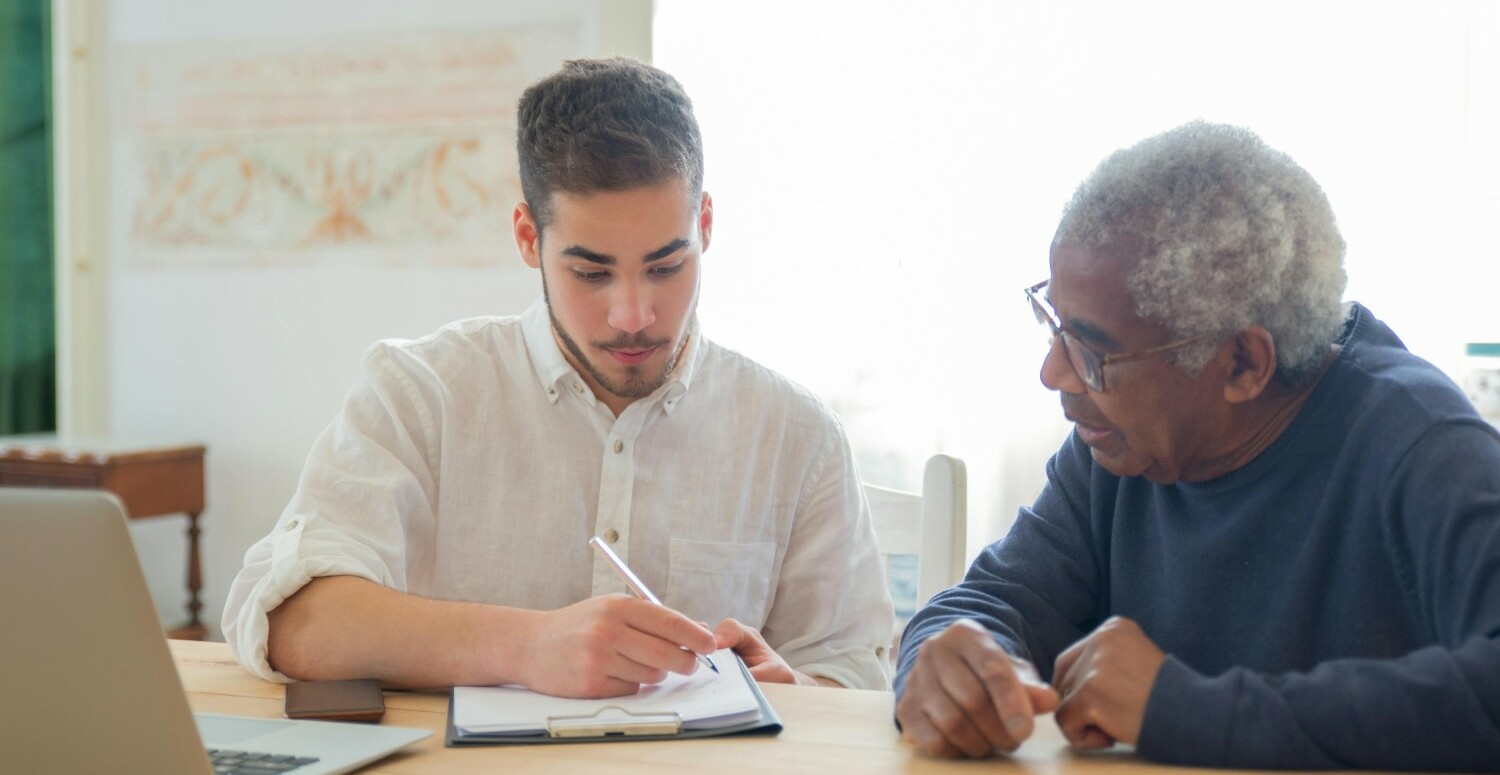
(28, 348)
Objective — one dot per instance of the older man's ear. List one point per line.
(1251, 364)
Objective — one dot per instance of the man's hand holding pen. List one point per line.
(763, 661)
(609, 646)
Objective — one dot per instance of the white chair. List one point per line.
(930, 527)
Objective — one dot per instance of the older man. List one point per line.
(1273, 539)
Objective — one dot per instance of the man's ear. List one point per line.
(528, 236)
(705, 221)
(1252, 354)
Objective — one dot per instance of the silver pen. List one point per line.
(636, 585)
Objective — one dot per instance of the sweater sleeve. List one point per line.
(1038, 589)
(1436, 708)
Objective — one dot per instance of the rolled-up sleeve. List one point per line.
(366, 493)
(832, 614)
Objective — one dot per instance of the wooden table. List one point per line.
(827, 731)
(151, 480)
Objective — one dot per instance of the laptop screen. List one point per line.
(90, 681)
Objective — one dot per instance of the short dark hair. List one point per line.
(605, 125)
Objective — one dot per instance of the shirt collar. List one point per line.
(547, 359)
(687, 365)
(557, 375)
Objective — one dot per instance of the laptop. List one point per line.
(87, 683)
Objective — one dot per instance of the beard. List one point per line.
(637, 382)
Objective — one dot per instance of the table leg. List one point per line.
(193, 630)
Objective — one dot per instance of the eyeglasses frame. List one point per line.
(1091, 370)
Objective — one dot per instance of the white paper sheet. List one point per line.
(703, 700)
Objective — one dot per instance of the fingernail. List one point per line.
(1015, 725)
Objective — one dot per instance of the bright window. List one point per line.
(887, 178)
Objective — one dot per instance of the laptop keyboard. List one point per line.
(244, 763)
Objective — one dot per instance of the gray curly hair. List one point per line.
(1232, 233)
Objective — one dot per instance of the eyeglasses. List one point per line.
(1087, 362)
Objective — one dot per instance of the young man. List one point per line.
(1273, 540)
(439, 533)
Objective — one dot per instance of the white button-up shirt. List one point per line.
(475, 463)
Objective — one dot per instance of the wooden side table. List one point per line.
(151, 480)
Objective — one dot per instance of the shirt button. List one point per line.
(619, 447)
(577, 387)
(880, 651)
(612, 536)
(290, 526)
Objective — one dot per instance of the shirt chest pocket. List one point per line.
(710, 580)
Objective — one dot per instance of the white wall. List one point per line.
(254, 361)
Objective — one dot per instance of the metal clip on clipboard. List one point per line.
(614, 721)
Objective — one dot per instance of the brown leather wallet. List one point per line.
(359, 699)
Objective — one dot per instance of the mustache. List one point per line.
(638, 341)
(1077, 409)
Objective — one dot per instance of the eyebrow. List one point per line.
(1093, 334)
(603, 259)
(1083, 329)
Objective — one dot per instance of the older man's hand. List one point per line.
(966, 697)
(1105, 680)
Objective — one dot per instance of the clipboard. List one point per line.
(612, 724)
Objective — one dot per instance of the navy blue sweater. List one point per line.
(1335, 603)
